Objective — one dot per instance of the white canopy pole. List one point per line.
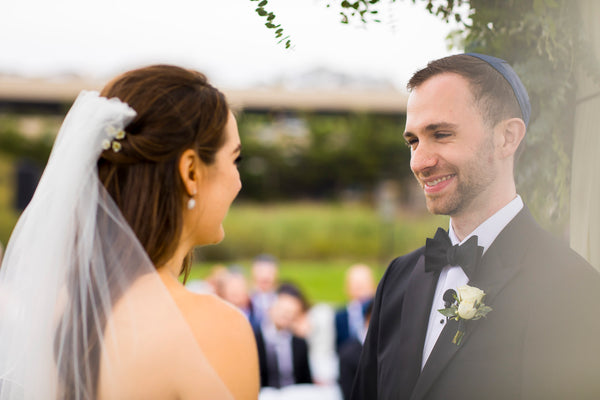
(585, 180)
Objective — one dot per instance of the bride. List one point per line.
(91, 301)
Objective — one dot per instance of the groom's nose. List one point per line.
(422, 157)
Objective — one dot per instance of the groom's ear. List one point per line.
(509, 134)
(190, 168)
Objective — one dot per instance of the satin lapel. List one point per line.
(415, 316)
(498, 266)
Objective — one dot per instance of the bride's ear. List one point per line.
(190, 168)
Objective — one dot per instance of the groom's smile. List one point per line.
(435, 185)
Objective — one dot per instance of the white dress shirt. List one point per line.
(452, 277)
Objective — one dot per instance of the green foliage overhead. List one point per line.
(270, 24)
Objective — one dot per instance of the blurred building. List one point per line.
(315, 91)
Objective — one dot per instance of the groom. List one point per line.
(466, 118)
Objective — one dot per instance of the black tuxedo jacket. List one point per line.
(302, 373)
(540, 341)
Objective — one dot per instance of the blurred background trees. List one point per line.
(320, 156)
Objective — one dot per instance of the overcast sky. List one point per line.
(223, 38)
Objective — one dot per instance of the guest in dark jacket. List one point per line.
(349, 357)
(234, 290)
(283, 357)
(349, 320)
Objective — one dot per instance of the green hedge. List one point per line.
(319, 231)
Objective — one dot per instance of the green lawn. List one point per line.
(320, 232)
(319, 281)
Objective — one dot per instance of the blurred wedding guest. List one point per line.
(283, 356)
(199, 286)
(321, 344)
(315, 325)
(349, 357)
(216, 279)
(302, 326)
(264, 284)
(235, 291)
(212, 284)
(360, 289)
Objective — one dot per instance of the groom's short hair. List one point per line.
(492, 93)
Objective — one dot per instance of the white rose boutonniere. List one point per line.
(468, 305)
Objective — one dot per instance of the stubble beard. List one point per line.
(458, 201)
(471, 180)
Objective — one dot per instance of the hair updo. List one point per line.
(177, 109)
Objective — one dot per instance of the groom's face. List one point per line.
(452, 149)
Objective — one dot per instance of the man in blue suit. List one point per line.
(350, 320)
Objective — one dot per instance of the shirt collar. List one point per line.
(491, 227)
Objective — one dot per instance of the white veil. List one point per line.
(70, 260)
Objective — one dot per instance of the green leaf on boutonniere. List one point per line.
(448, 312)
(482, 311)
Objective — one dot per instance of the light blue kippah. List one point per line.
(513, 79)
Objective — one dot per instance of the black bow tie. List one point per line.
(440, 252)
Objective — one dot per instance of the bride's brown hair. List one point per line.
(177, 109)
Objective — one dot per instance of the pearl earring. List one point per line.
(191, 203)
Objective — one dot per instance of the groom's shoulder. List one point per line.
(549, 256)
(402, 266)
(408, 260)
(548, 245)
(555, 254)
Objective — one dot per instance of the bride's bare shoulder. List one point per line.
(216, 324)
(208, 309)
(157, 348)
(226, 338)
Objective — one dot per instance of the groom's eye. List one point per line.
(441, 135)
